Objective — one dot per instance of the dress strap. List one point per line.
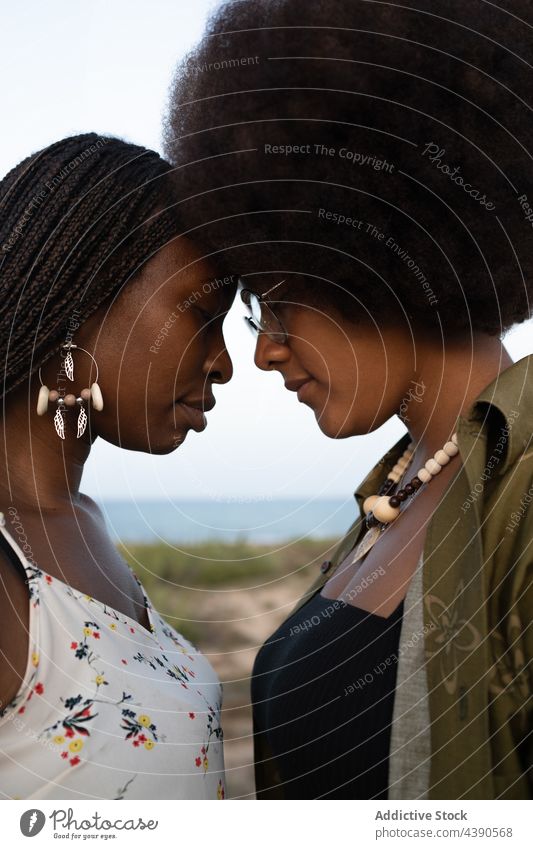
(14, 551)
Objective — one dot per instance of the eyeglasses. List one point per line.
(262, 318)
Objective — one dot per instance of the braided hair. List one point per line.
(77, 220)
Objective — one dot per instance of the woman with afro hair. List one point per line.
(366, 167)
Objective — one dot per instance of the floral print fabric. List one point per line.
(108, 709)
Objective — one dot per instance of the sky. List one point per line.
(106, 66)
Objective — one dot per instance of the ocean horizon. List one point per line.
(196, 521)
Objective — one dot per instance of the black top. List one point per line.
(323, 694)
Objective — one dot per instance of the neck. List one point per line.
(446, 383)
(38, 470)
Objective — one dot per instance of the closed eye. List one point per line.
(211, 317)
(207, 316)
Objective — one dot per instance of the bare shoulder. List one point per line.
(92, 508)
(14, 627)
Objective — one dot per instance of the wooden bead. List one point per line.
(416, 483)
(70, 400)
(42, 400)
(408, 489)
(433, 467)
(54, 395)
(96, 395)
(451, 449)
(441, 457)
(386, 486)
(85, 394)
(369, 502)
(454, 439)
(398, 470)
(383, 510)
(424, 475)
(401, 495)
(394, 501)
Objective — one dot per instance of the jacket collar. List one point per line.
(510, 393)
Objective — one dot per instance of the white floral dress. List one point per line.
(108, 709)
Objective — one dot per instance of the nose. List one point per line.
(268, 354)
(220, 367)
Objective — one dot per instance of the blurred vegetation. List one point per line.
(213, 564)
(178, 579)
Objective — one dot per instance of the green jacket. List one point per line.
(478, 602)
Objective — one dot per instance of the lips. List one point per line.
(194, 411)
(300, 386)
(203, 404)
(295, 385)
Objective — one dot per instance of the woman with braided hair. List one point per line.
(110, 326)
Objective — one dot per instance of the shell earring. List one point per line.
(63, 401)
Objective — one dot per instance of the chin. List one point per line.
(165, 440)
(335, 427)
(340, 427)
(159, 444)
(169, 447)
(161, 450)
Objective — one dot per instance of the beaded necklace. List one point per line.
(382, 509)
